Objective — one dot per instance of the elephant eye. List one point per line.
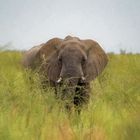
(83, 60)
(60, 59)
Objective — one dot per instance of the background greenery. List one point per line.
(29, 113)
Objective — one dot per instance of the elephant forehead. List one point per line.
(73, 50)
(73, 42)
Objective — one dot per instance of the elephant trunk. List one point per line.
(71, 74)
(68, 90)
(69, 82)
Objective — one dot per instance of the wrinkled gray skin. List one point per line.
(69, 63)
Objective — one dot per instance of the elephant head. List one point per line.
(72, 60)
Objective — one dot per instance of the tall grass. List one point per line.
(28, 112)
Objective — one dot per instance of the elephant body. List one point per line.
(29, 59)
(71, 62)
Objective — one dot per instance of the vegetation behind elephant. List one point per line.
(70, 61)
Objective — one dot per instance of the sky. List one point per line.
(114, 24)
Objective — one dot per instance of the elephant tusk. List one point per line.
(59, 80)
(83, 78)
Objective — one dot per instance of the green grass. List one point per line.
(29, 113)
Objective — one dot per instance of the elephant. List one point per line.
(72, 62)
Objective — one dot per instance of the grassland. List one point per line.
(29, 113)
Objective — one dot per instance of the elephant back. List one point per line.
(29, 57)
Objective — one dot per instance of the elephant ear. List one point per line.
(96, 59)
(48, 56)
